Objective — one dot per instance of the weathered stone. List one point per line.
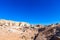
(11, 30)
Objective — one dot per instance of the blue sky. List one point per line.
(32, 11)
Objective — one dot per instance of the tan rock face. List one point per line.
(10, 30)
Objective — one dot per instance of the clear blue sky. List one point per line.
(32, 11)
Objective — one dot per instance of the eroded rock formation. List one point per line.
(11, 30)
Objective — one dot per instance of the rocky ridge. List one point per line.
(11, 30)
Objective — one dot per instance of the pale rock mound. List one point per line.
(10, 30)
